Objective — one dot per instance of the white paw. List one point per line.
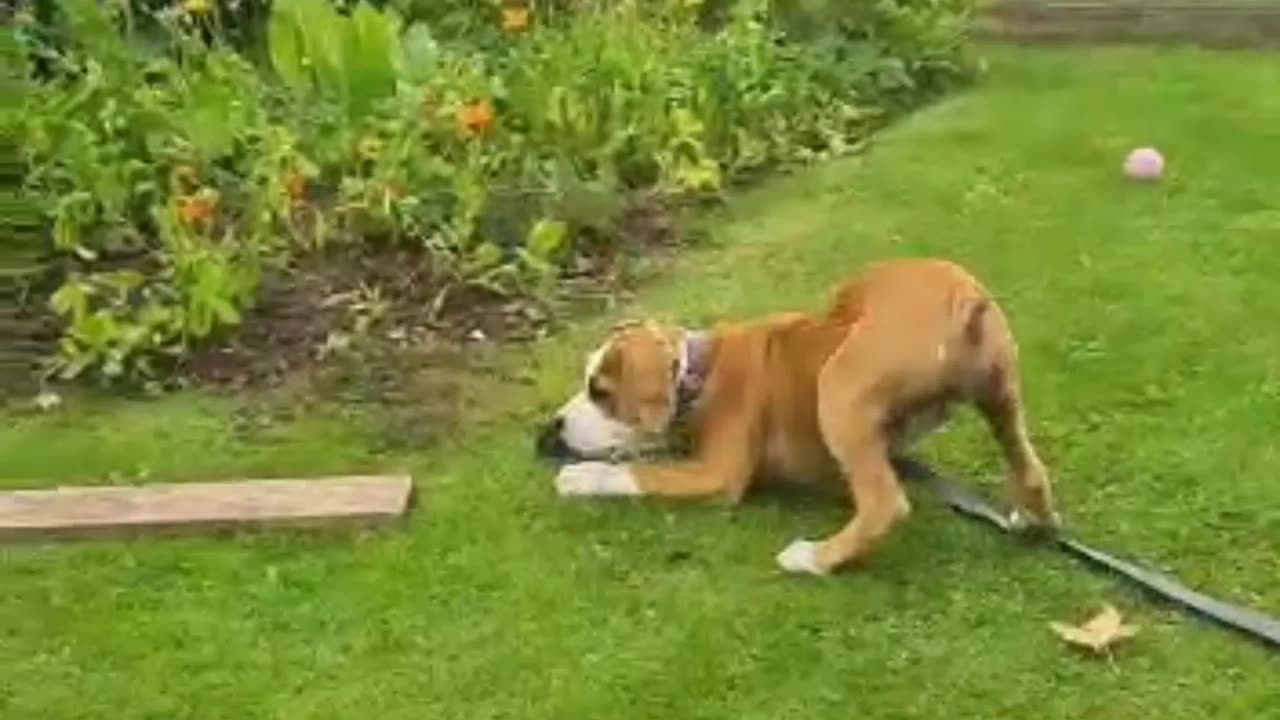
(595, 478)
(801, 557)
(1018, 521)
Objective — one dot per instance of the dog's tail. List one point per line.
(970, 311)
(849, 303)
(975, 315)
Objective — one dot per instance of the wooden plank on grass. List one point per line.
(76, 512)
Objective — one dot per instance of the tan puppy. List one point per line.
(799, 397)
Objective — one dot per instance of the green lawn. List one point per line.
(1152, 360)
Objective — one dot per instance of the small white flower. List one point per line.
(47, 400)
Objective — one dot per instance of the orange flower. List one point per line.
(197, 209)
(476, 118)
(295, 185)
(515, 18)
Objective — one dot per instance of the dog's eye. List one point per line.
(597, 394)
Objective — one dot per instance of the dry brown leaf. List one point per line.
(1098, 634)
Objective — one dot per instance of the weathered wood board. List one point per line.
(1218, 23)
(79, 512)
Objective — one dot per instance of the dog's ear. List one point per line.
(604, 382)
(661, 327)
(625, 325)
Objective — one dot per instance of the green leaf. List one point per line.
(372, 52)
(323, 30)
(224, 311)
(96, 330)
(79, 361)
(687, 124)
(211, 117)
(285, 45)
(70, 299)
(539, 266)
(486, 255)
(546, 238)
(420, 53)
(353, 59)
(700, 175)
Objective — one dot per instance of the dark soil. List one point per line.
(368, 332)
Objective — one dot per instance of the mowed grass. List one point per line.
(1152, 372)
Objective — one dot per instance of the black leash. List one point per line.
(967, 502)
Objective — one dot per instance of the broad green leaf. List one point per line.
(70, 299)
(703, 175)
(546, 238)
(211, 117)
(372, 52)
(420, 53)
(224, 311)
(285, 46)
(486, 255)
(323, 30)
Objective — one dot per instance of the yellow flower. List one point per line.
(515, 18)
(368, 148)
(197, 7)
(184, 176)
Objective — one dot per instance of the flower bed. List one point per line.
(186, 154)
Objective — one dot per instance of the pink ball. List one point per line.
(1144, 164)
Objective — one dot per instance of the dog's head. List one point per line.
(630, 394)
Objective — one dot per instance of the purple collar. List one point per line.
(695, 351)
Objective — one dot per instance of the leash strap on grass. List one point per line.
(968, 502)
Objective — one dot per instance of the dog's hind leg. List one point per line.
(880, 503)
(853, 428)
(1027, 481)
(997, 395)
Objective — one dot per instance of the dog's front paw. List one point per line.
(595, 478)
(800, 557)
